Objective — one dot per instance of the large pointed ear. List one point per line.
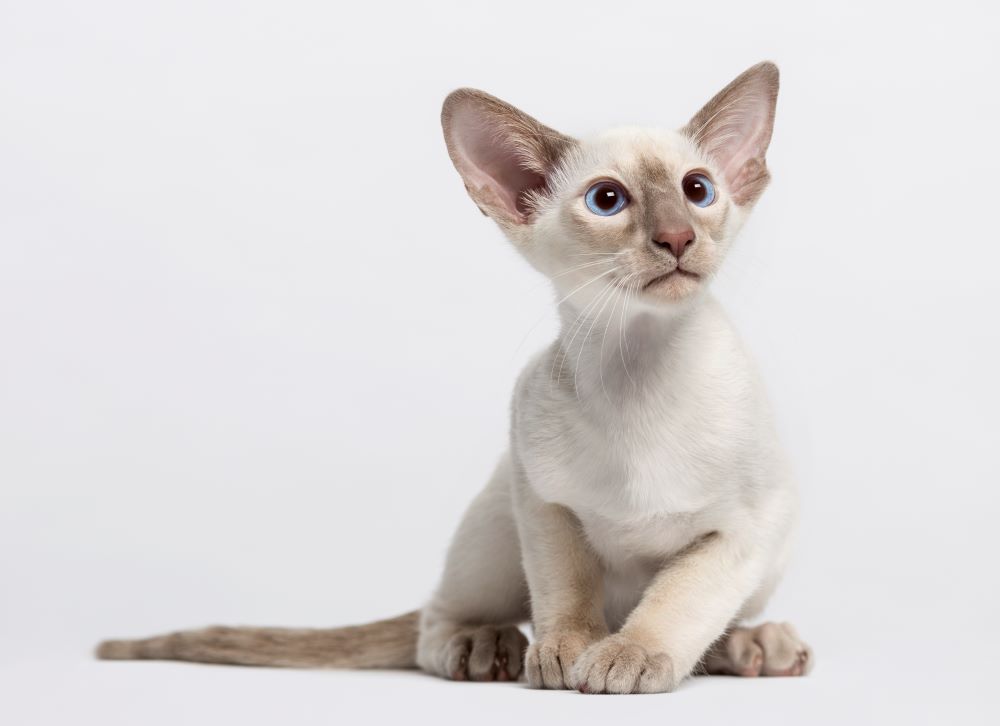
(503, 155)
(734, 130)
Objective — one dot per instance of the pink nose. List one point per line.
(676, 242)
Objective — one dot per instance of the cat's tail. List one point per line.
(388, 643)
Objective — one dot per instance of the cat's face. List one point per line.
(640, 209)
(646, 214)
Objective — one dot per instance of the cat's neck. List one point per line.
(628, 355)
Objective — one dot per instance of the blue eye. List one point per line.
(606, 198)
(699, 189)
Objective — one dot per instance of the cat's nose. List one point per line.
(675, 242)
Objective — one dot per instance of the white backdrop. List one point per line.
(256, 344)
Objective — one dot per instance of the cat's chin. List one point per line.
(672, 287)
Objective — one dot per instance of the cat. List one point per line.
(643, 510)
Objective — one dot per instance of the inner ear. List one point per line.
(503, 155)
(734, 130)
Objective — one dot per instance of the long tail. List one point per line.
(384, 644)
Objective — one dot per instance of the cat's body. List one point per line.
(643, 508)
(695, 418)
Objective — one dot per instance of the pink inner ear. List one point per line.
(734, 128)
(490, 160)
(737, 133)
(745, 137)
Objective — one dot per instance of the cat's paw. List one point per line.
(485, 653)
(619, 665)
(551, 657)
(771, 649)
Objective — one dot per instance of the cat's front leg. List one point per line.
(565, 580)
(683, 611)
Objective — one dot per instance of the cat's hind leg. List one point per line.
(769, 649)
(468, 631)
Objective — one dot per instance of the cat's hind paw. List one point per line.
(485, 653)
(771, 649)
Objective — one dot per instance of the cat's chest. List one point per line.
(636, 473)
(652, 460)
(666, 442)
(639, 546)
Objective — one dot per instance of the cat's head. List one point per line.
(648, 213)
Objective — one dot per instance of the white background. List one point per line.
(256, 344)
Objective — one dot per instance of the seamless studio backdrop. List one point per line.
(257, 345)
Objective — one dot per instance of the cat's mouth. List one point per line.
(676, 272)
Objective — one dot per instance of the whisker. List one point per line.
(591, 263)
(622, 344)
(604, 338)
(573, 292)
(634, 288)
(561, 353)
(577, 268)
(560, 302)
(576, 327)
(576, 372)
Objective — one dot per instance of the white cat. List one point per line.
(643, 509)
